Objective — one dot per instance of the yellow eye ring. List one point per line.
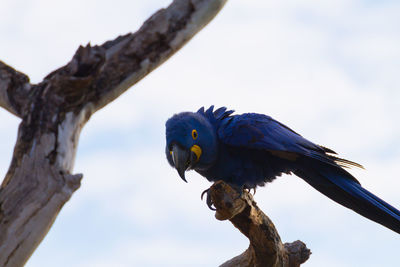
(194, 134)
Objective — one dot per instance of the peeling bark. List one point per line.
(40, 180)
(266, 248)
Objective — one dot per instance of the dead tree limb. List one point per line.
(14, 87)
(266, 248)
(40, 180)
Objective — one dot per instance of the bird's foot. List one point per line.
(208, 199)
(238, 189)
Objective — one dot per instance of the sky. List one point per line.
(327, 69)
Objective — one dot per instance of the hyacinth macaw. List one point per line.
(252, 149)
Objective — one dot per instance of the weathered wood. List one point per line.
(40, 180)
(266, 248)
(14, 87)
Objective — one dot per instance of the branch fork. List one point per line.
(39, 180)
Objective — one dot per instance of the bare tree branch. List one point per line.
(40, 180)
(106, 71)
(266, 248)
(14, 89)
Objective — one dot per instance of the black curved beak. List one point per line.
(183, 160)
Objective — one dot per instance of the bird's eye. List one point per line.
(194, 134)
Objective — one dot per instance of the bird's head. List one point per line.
(191, 142)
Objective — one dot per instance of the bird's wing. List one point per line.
(257, 131)
(314, 164)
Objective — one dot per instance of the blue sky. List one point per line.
(328, 69)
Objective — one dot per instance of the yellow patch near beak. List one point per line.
(196, 150)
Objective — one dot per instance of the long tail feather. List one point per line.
(340, 186)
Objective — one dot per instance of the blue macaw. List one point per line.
(252, 149)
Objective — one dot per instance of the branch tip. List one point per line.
(73, 180)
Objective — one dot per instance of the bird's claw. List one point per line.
(238, 189)
(208, 199)
(205, 191)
